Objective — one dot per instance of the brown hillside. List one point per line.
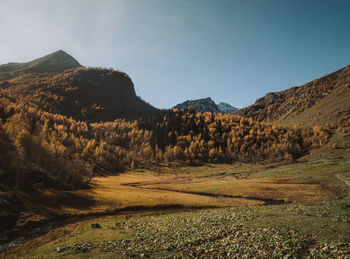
(84, 94)
(318, 102)
(57, 83)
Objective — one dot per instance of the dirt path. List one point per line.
(343, 179)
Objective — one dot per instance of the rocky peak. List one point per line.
(206, 105)
(227, 108)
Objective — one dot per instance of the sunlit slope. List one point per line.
(327, 111)
(56, 62)
(318, 102)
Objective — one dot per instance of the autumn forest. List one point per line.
(88, 168)
(41, 141)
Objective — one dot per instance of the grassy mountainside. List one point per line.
(55, 62)
(318, 102)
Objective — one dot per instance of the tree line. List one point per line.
(37, 144)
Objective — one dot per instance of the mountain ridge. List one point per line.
(206, 105)
(317, 102)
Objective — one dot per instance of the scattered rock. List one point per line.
(95, 225)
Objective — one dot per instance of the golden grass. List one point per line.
(147, 188)
(257, 188)
(246, 180)
(114, 192)
(309, 180)
(302, 182)
(195, 187)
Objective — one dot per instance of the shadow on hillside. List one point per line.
(27, 211)
(67, 199)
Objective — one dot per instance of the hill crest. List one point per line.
(55, 62)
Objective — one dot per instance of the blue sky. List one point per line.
(234, 51)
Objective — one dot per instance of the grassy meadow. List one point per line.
(213, 210)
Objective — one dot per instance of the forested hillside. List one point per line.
(84, 93)
(71, 124)
(65, 148)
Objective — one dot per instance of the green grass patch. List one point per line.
(290, 231)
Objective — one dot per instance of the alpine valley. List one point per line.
(89, 169)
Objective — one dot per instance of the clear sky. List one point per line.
(234, 51)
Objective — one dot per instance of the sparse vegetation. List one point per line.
(316, 103)
(295, 231)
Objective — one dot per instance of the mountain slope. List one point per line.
(206, 105)
(199, 105)
(82, 93)
(227, 108)
(318, 102)
(55, 62)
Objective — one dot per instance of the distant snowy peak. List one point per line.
(206, 105)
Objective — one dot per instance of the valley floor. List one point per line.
(300, 210)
